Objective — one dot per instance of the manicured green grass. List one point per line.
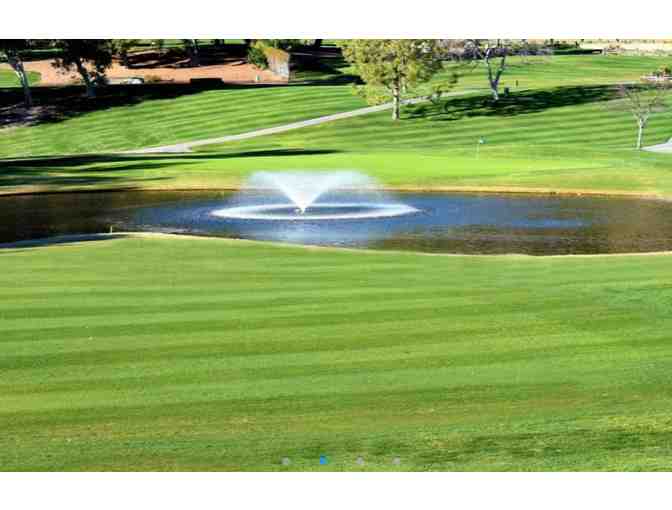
(192, 116)
(8, 78)
(207, 354)
(181, 354)
(565, 138)
(557, 103)
(622, 171)
(200, 115)
(543, 72)
(538, 72)
(527, 123)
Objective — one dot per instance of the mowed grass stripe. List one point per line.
(193, 350)
(185, 118)
(556, 126)
(217, 113)
(264, 367)
(195, 113)
(422, 374)
(523, 343)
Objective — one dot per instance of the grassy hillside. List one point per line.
(204, 354)
(567, 70)
(168, 353)
(132, 122)
(605, 171)
(184, 114)
(527, 122)
(565, 137)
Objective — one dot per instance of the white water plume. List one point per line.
(305, 188)
(301, 193)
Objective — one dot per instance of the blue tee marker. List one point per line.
(323, 460)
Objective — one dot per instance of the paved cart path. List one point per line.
(187, 146)
(662, 147)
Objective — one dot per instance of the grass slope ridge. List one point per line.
(132, 121)
(183, 354)
(527, 121)
(193, 116)
(556, 132)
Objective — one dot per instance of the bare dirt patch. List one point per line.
(231, 71)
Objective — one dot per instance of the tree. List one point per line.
(493, 55)
(121, 49)
(79, 52)
(191, 45)
(642, 101)
(11, 49)
(160, 45)
(286, 44)
(390, 67)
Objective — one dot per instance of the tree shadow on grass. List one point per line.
(61, 239)
(153, 158)
(314, 68)
(28, 178)
(521, 103)
(100, 169)
(57, 104)
(22, 174)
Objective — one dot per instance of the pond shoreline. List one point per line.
(461, 221)
(495, 190)
(68, 240)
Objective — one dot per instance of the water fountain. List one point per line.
(301, 192)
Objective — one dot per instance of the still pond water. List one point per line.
(444, 223)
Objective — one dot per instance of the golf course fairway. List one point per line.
(149, 352)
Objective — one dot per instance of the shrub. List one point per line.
(256, 56)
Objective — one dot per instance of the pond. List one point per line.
(440, 222)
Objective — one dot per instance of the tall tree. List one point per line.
(390, 67)
(78, 53)
(642, 102)
(11, 49)
(493, 54)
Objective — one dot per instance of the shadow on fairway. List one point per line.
(52, 241)
(100, 169)
(151, 159)
(57, 104)
(532, 101)
(33, 178)
(61, 103)
(322, 68)
(23, 174)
